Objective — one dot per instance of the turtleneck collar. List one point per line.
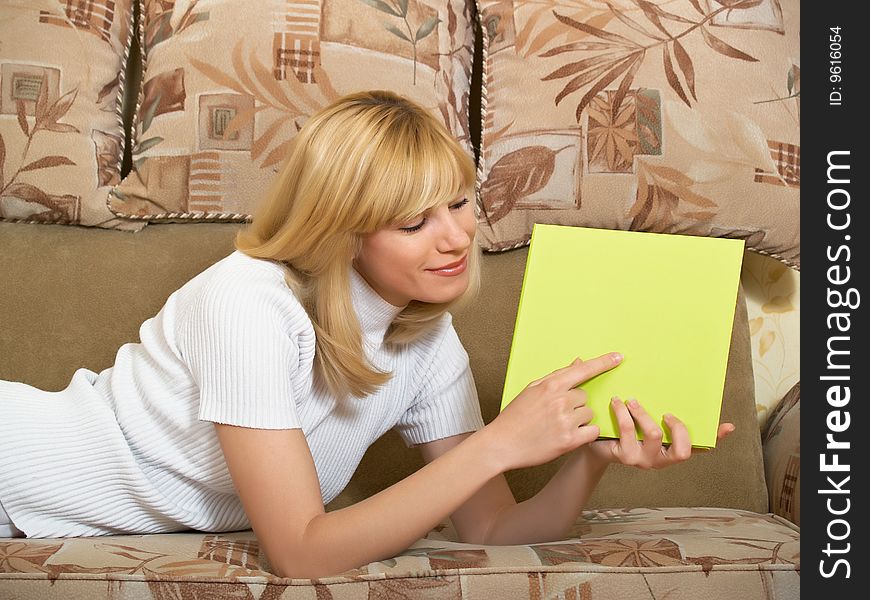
(374, 313)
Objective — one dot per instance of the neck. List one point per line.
(375, 314)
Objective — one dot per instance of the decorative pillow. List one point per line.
(61, 86)
(227, 86)
(675, 117)
(782, 457)
(773, 305)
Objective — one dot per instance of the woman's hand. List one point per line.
(549, 417)
(648, 453)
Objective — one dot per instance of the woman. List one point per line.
(257, 388)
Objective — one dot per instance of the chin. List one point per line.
(446, 296)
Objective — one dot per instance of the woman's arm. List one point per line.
(549, 515)
(277, 482)
(493, 516)
(275, 476)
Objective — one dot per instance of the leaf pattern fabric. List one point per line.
(670, 117)
(773, 307)
(226, 89)
(782, 456)
(623, 553)
(61, 138)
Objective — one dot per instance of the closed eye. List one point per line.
(417, 227)
(414, 228)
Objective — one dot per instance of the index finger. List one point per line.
(580, 371)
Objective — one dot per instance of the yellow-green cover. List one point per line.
(666, 302)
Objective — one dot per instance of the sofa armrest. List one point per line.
(781, 444)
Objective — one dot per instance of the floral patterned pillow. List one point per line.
(673, 117)
(227, 86)
(61, 85)
(782, 456)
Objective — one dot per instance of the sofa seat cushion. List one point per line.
(618, 553)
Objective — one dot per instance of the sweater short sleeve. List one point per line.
(238, 341)
(447, 403)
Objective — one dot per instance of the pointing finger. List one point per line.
(549, 376)
(580, 371)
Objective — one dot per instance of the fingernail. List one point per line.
(667, 416)
(633, 403)
(614, 400)
(617, 357)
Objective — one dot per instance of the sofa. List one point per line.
(724, 524)
(701, 529)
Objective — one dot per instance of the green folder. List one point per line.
(666, 302)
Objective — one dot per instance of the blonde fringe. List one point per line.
(340, 181)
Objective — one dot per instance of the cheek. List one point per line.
(383, 248)
(470, 224)
(396, 259)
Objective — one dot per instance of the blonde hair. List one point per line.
(367, 161)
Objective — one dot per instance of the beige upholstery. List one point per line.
(649, 554)
(72, 296)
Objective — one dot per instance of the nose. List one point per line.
(452, 235)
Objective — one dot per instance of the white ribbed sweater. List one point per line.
(133, 449)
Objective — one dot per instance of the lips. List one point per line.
(451, 265)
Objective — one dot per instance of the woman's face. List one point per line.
(424, 259)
